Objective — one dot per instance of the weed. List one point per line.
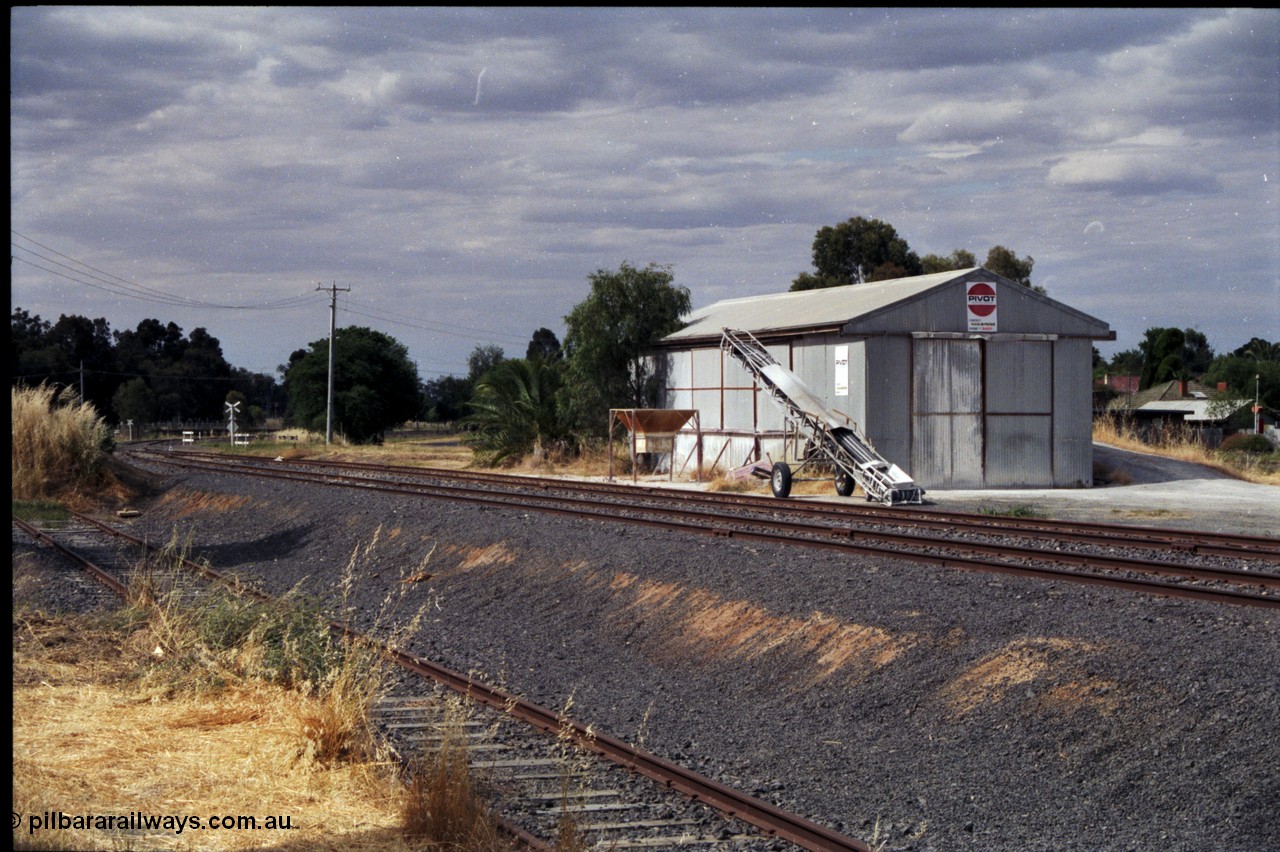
(1012, 512)
(724, 484)
(1103, 475)
(441, 806)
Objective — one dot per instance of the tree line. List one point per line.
(552, 400)
(1174, 354)
(861, 250)
(154, 372)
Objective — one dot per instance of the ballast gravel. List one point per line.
(911, 707)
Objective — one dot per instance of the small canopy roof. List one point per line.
(653, 421)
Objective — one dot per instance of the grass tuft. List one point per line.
(59, 443)
(1012, 512)
(441, 806)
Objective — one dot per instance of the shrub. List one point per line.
(59, 442)
(1246, 442)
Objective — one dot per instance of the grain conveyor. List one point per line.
(831, 435)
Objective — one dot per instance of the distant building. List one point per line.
(1120, 384)
(964, 379)
(1180, 402)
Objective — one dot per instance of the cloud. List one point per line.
(1132, 172)
(426, 154)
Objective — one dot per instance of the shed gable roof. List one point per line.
(875, 307)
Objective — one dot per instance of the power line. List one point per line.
(119, 286)
(71, 371)
(452, 330)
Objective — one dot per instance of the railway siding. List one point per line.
(1014, 714)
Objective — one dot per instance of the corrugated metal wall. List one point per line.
(1019, 412)
(1072, 413)
(946, 423)
(954, 412)
(887, 406)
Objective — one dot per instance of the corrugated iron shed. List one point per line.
(958, 396)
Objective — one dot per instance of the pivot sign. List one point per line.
(980, 301)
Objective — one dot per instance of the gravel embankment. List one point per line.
(931, 709)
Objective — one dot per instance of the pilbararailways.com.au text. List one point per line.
(136, 821)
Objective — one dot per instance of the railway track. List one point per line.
(1241, 570)
(529, 757)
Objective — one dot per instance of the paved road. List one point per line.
(1162, 492)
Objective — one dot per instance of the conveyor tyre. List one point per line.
(844, 483)
(780, 480)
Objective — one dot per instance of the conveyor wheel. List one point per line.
(844, 483)
(780, 479)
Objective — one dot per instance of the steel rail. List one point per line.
(520, 835)
(1122, 535)
(768, 818)
(100, 574)
(837, 540)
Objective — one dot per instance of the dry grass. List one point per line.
(191, 704)
(59, 443)
(96, 748)
(1182, 445)
(721, 483)
(92, 735)
(1051, 664)
(443, 451)
(441, 805)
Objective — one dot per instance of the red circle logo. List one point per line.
(981, 298)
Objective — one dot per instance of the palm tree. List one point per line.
(516, 412)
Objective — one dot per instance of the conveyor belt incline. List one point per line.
(831, 435)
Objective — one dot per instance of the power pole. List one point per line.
(333, 323)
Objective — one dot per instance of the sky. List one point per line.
(464, 171)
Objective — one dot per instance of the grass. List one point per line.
(41, 511)
(110, 718)
(442, 805)
(1012, 512)
(1181, 444)
(188, 700)
(59, 443)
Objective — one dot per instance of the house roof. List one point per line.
(1195, 409)
(1120, 384)
(895, 305)
(1167, 398)
(1164, 392)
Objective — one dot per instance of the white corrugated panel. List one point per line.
(680, 381)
